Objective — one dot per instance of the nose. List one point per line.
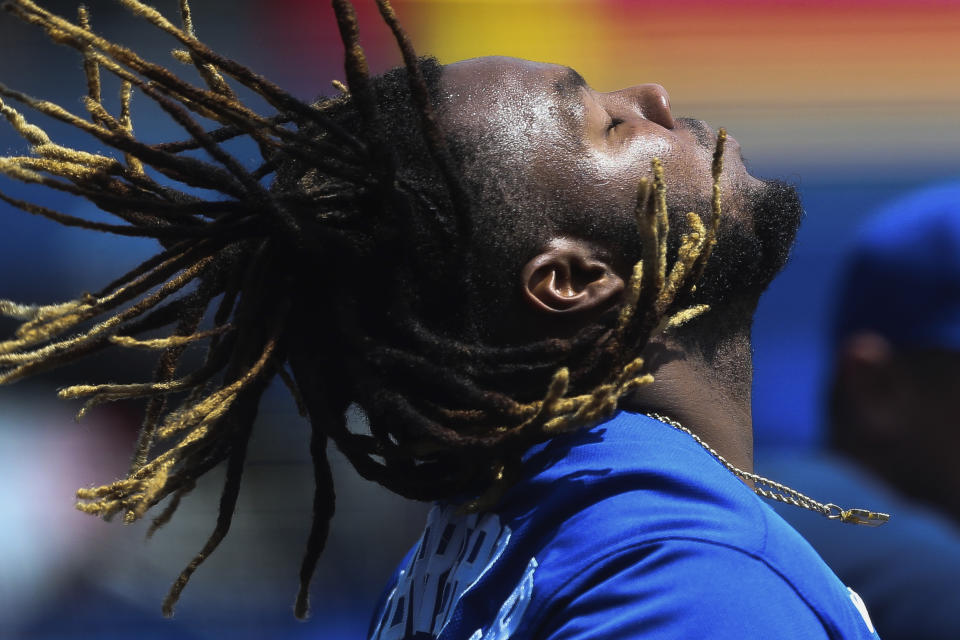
(654, 103)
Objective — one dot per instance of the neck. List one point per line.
(711, 397)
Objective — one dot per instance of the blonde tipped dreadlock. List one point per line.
(446, 416)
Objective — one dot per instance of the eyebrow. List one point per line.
(567, 86)
(568, 81)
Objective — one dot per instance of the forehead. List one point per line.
(494, 74)
(521, 101)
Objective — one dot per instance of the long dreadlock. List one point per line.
(450, 415)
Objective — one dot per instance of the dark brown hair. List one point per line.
(364, 184)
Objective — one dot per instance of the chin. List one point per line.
(777, 213)
(753, 248)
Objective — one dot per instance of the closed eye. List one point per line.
(613, 124)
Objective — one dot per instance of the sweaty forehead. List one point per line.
(521, 102)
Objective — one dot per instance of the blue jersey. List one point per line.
(626, 530)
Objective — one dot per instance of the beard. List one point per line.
(748, 256)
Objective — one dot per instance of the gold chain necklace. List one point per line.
(766, 488)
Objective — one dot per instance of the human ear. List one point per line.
(874, 387)
(569, 279)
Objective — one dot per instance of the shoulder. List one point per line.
(640, 526)
(679, 588)
(634, 479)
(629, 527)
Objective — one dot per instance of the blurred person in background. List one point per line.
(894, 429)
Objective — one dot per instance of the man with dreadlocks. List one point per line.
(486, 259)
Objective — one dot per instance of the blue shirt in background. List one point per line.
(907, 569)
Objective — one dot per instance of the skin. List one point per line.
(593, 147)
(573, 145)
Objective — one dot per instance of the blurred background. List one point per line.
(855, 102)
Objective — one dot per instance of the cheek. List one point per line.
(686, 167)
(637, 153)
(630, 156)
(617, 168)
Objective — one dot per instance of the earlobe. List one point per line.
(567, 278)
